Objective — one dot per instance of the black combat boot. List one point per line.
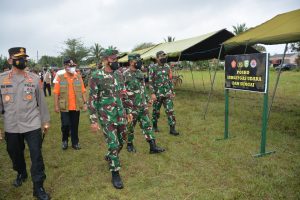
(131, 148)
(39, 191)
(173, 131)
(116, 180)
(20, 179)
(155, 128)
(154, 148)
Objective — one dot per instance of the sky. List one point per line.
(43, 26)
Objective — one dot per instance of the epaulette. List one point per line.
(33, 75)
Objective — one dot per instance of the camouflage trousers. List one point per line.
(115, 136)
(141, 115)
(169, 109)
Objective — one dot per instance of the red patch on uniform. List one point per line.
(29, 97)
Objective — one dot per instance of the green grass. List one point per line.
(195, 166)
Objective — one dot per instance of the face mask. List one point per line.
(114, 65)
(20, 63)
(138, 64)
(163, 60)
(71, 70)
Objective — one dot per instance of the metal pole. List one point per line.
(209, 73)
(203, 81)
(277, 80)
(246, 48)
(192, 76)
(177, 63)
(212, 83)
(226, 134)
(264, 125)
(265, 119)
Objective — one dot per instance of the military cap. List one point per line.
(17, 51)
(109, 52)
(134, 56)
(160, 53)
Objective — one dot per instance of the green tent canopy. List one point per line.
(197, 48)
(124, 59)
(174, 49)
(283, 28)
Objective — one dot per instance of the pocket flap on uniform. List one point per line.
(7, 91)
(7, 95)
(62, 104)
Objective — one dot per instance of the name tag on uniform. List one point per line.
(6, 86)
(29, 85)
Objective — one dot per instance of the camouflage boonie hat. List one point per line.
(109, 52)
(134, 56)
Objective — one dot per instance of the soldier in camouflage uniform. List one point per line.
(135, 87)
(110, 107)
(162, 89)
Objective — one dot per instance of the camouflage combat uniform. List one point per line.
(108, 105)
(135, 87)
(160, 84)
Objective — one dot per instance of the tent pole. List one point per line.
(213, 82)
(177, 62)
(246, 48)
(209, 66)
(203, 81)
(192, 76)
(277, 80)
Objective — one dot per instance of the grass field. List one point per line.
(194, 166)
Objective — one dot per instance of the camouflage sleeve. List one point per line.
(93, 98)
(151, 79)
(127, 102)
(170, 80)
(147, 97)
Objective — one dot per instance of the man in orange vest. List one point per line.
(69, 98)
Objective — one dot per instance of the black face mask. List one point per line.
(20, 63)
(114, 65)
(163, 60)
(138, 64)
